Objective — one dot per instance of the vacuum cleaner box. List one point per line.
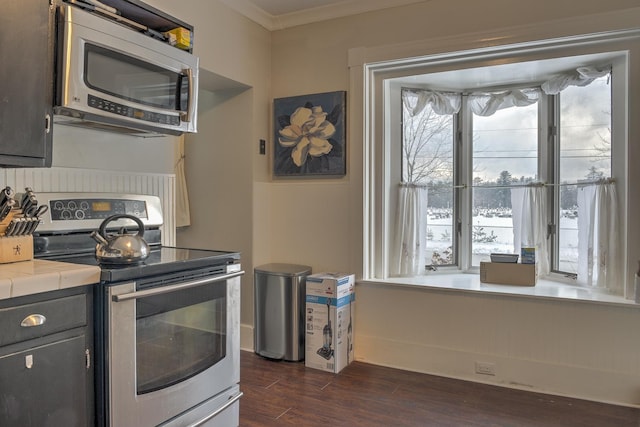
(330, 302)
(505, 273)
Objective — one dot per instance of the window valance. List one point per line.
(487, 103)
(443, 103)
(582, 76)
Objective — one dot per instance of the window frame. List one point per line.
(380, 91)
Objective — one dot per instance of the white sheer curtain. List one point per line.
(443, 103)
(598, 236)
(529, 215)
(408, 251)
(486, 104)
(582, 76)
(410, 233)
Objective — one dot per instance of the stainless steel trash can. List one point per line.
(279, 301)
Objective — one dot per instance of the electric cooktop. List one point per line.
(161, 260)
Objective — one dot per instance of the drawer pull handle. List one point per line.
(33, 320)
(28, 361)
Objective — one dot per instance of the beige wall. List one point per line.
(221, 158)
(580, 349)
(585, 350)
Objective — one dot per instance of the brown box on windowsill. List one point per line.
(502, 273)
(17, 248)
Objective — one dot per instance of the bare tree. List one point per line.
(603, 148)
(427, 147)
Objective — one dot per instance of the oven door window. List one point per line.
(179, 335)
(129, 78)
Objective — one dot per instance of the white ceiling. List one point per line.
(279, 14)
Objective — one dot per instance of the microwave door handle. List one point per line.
(188, 115)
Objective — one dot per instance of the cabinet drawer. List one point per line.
(28, 321)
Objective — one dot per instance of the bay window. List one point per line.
(492, 170)
(547, 121)
(499, 170)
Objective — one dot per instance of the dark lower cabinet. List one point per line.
(47, 380)
(42, 386)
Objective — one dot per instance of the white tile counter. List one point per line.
(35, 276)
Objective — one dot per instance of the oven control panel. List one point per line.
(81, 209)
(71, 212)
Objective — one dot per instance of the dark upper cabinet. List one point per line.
(26, 82)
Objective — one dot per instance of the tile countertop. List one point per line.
(35, 276)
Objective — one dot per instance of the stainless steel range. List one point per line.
(167, 328)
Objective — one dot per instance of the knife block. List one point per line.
(16, 248)
(7, 220)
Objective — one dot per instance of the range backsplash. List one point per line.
(43, 180)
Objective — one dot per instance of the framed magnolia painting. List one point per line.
(310, 135)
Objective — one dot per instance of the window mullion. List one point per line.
(553, 172)
(464, 176)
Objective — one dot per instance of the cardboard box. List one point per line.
(329, 311)
(503, 273)
(179, 37)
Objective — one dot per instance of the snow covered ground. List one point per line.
(493, 232)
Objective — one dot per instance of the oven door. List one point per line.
(172, 349)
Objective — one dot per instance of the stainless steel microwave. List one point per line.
(111, 77)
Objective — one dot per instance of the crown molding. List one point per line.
(316, 14)
(251, 11)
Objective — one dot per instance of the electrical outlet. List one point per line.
(485, 368)
(263, 146)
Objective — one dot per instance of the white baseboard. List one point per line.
(562, 380)
(246, 337)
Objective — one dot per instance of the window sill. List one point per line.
(544, 288)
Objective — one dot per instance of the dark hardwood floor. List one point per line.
(278, 393)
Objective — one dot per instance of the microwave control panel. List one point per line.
(134, 113)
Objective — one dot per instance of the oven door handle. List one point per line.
(173, 288)
(231, 401)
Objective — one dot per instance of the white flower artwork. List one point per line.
(310, 135)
